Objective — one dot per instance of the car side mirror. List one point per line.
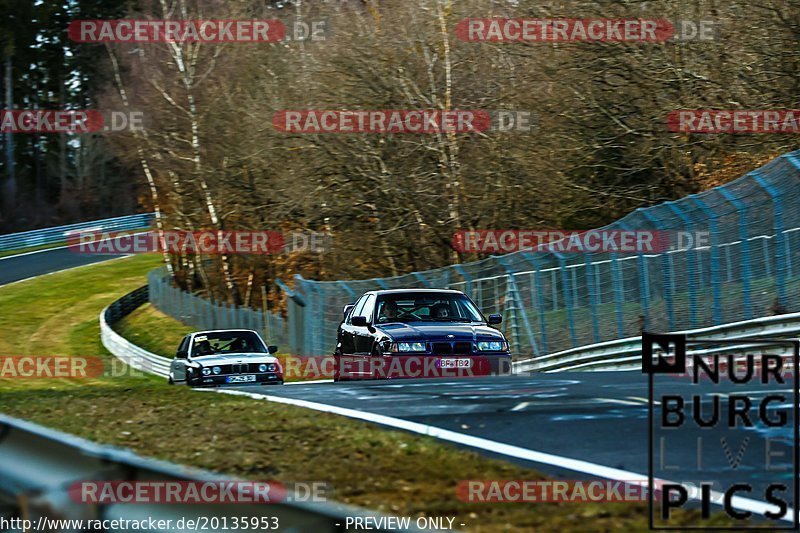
(495, 319)
(346, 309)
(272, 349)
(359, 321)
(181, 354)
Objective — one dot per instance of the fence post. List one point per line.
(540, 307)
(422, 279)
(780, 250)
(666, 270)
(519, 310)
(741, 209)
(347, 288)
(644, 285)
(590, 289)
(619, 295)
(562, 262)
(714, 267)
(691, 269)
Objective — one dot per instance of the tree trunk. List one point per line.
(10, 186)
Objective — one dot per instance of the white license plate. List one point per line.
(456, 363)
(241, 379)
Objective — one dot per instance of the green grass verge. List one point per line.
(390, 471)
(156, 332)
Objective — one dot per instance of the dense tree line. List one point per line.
(52, 178)
(211, 158)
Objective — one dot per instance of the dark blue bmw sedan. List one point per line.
(408, 333)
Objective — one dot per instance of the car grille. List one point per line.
(449, 348)
(239, 368)
(462, 347)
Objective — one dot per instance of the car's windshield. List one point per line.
(223, 342)
(426, 307)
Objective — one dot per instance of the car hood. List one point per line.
(229, 358)
(433, 331)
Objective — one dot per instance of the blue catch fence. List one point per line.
(745, 264)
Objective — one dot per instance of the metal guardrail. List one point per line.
(39, 237)
(626, 354)
(38, 465)
(119, 346)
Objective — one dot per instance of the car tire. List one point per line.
(170, 381)
(336, 363)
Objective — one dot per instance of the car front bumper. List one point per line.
(222, 380)
(410, 366)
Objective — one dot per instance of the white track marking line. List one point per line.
(577, 465)
(310, 382)
(638, 399)
(35, 252)
(616, 400)
(520, 406)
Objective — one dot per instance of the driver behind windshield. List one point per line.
(203, 348)
(440, 310)
(388, 311)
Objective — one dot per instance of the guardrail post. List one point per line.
(780, 237)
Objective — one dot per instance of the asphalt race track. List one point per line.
(600, 417)
(19, 267)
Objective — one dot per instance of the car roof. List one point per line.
(221, 331)
(400, 291)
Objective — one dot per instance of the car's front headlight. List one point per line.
(410, 346)
(491, 346)
(206, 371)
(217, 370)
(262, 367)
